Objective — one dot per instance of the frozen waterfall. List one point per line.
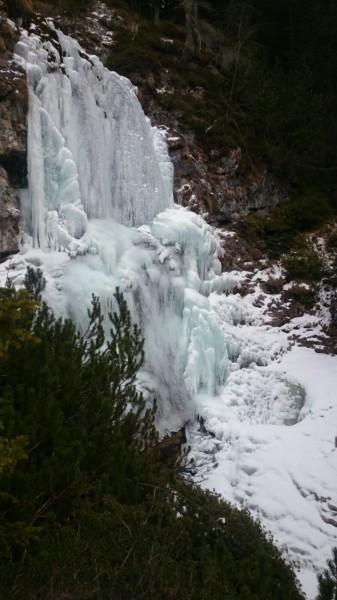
(98, 213)
(92, 153)
(97, 170)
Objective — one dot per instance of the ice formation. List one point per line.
(92, 153)
(98, 214)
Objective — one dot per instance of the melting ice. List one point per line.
(98, 213)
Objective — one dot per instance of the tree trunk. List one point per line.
(191, 19)
(157, 11)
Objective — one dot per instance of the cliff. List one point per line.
(13, 137)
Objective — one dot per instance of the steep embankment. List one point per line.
(214, 172)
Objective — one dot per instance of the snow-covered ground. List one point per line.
(275, 451)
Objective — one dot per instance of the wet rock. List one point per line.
(212, 184)
(219, 218)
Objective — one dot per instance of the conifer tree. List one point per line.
(87, 510)
(327, 581)
(16, 313)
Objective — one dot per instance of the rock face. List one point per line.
(13, 138)
(13, 129)
(9, 217)
(218, 190)
(212, 185)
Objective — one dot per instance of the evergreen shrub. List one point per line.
(304, 294)
(327, 581)
(303, 265)
(306, 212)
(87, 508)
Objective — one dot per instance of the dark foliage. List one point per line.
(86, 508)
(260, 90)
(327, 581)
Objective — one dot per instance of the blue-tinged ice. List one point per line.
(99, 214)
(97, 170)
(89, 142)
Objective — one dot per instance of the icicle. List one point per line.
(87, 127)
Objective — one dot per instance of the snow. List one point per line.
(99, 214)
(273, 432)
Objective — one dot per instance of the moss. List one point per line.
(117, 4)
(274, 285)
(252, 228)
(171, 30)
(145, 49)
